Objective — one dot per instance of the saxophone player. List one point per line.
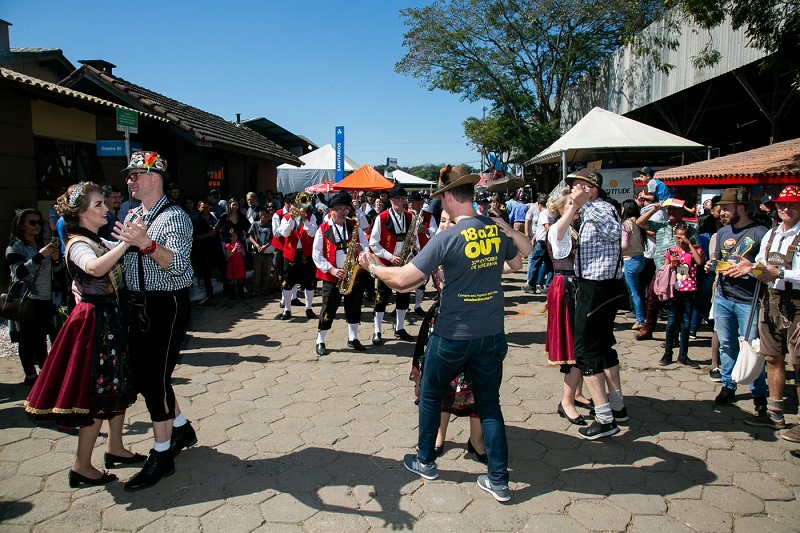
(389, 233)
(427, 229)
(330, 250)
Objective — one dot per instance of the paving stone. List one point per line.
(783, 471)
(599, 515)
(35, 509)
(232, 518)
(19, 487)
(732, 500)
(23, 450)
(658, 524)
(441, 497)
(697, 515)
(285, 508)
(631, 499)
(548, 523)
(760, 524)
(173, 524)
(763, 487)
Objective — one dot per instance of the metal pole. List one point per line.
(564, 165)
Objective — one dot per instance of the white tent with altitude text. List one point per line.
(320, 165)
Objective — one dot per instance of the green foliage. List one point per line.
(520, 55)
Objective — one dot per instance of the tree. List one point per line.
(520, 55)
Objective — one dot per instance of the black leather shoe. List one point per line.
(297, 302)
(619, 416)
(182, 437)
(578, 421)
(286, 315)
(438, 450)
(586, 405)
(321, 349)
(482, 457)
(376, 339)
(158, 465)
(403, 335)
(598, 430)
(75, 479)
(419, 311)
(310, 313)
(112, 460)
(356, 345)
(726, 396)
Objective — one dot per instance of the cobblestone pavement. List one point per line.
(292, 442)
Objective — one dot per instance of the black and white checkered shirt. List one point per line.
(171, 229)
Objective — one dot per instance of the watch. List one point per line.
(372, 271)
(150, 249)
(782, 273)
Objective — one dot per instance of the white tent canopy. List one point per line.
(320, 165)
(409, 180)
(602, 131)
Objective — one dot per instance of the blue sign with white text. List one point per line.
(115, 148)
(339, 153)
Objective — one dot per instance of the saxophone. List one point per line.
(409, 249)
(351, 266)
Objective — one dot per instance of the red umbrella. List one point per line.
(325, 187)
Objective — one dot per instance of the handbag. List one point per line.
(750, 363)
(15, 304)
(664, 283)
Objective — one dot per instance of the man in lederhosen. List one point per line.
(386, 241)
(330, 248)
(296, 237)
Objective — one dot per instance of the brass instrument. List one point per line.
(351, 266)
(301, 203)
(410, 249)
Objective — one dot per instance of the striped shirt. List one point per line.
(171, 229)
(599, 243)
(665, 238)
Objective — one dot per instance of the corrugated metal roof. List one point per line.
(769, 164)
(46, 85)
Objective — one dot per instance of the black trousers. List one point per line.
(204, 261)
(32, 337)
(402, 299)
(331, 298)
(158, 324)
(302, 271)
(596, 305)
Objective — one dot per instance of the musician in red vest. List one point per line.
(277, 243)
(330, 248)
(296, 238)
(427, 229)
(386, 241)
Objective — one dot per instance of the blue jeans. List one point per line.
(730, 320)
(634, 267)
(545, 275)
(679, 312)
(444, 360)
(535, 260)
(702, 300)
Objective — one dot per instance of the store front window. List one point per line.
(215, 176)
(60, 163)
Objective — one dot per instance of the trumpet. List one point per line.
(301, 203)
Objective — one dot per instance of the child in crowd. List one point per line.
(684, 258)
(235, 252)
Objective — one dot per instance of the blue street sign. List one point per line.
(115, 148)
(339, 153)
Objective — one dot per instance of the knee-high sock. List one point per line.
(287, 300)
(352, 332)
(419, 294)
(321, 334)
(378, 320)
(603, 413)
(309, 298)
(401, 318)
(294, 291)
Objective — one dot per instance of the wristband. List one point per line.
(150, 249)
(372, 271)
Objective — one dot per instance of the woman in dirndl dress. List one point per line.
(86, 378)
(561, 311)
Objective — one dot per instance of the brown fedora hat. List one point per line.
(455, 177)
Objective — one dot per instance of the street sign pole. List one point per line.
(127, 122)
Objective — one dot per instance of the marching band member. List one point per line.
(427, 230)
(296, 237)
(330, 250)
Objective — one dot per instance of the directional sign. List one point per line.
(127, 120)
(115, 148)
(339, 153)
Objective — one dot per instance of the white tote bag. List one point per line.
(750, 363)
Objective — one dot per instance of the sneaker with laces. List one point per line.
(715, 374)
(792, 434)
(726, 396)
(412, 464)
(619, 416)
(765, 421)
(598, 430)
(499, 492)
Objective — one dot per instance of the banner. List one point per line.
(339, 153)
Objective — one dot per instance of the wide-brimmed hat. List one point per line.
(416, 196)
(398, 192)
(454, 177)
(147, 161)
(735, 195)
(340, 198)
(590, 176)
(789, 195)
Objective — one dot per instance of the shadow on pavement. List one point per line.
(13, 509)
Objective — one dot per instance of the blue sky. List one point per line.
(308, 66)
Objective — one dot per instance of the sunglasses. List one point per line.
(135, 176)
(36, 222)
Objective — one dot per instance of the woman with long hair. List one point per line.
(87, 377)
(33, 261)
(561, 310)
(634, 240)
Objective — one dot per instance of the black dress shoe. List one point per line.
(286, 315)
(356, 345)
(585, 405)
(439, 450)
(112, 460)
(419, 311)
(297, 302)
(578, 421)
(310, 313)
(158, 465)
(403, 335)
(75, 479)
(321, 349)
(619, 416)
(598, 430)
(376, 339)
(482, 457)
(182, 437)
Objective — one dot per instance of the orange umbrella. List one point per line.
(365, 178)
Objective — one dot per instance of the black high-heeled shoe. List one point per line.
(481, 456)
(75, 479)
(578, 421)
(439, 450)
(585, 405)
(112, 460)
